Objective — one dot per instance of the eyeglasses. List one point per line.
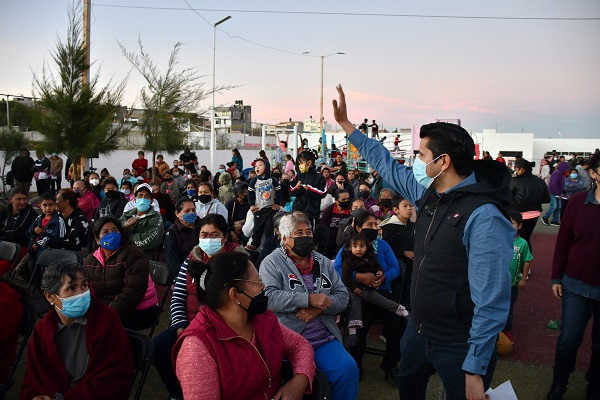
(258, 282)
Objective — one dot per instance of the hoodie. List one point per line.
(264, 191)
(557, 179)
(214, 206)
(309, 195)
(400, 237)
(484, 235)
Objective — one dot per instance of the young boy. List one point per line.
(264, 197)
(398, 232)
(519, 267)
(308, 187)
(48, 229)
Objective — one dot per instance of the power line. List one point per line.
(353, 14)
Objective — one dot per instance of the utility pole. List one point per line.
(85, 78)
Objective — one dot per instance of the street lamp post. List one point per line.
(322, 129)
(212, 119)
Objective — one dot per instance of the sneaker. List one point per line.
(545, 221)
(553, 223)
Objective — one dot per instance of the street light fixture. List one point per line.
(212, 119)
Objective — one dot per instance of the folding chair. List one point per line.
(10, 251)
(160, 274)
(27, 325)
(321, 390)
(142, 349)
(51, 255)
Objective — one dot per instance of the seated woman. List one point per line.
(182, 236)
(14, 222)
(79, 350)
(393, 324)
(127, 190)
(144, 224)
(165, 205)
(207, 204)
(234, 335)
(119, 275)
(12, 310)
(113, 202)
(86, 199)
(306, 294)
(191, 190)
(184, 303)
(76, 223)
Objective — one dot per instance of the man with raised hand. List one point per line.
(460, 291)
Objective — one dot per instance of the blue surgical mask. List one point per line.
(75, 306)
(191, 192)
(574, 176)
(77, 191)
(111, 241)
(222, 170)
(189, 218)
(142, 205)
(211, 246)
(420, 172)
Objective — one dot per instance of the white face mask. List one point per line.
(94, 182)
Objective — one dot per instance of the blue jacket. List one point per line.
(53, 234)
(385, 257)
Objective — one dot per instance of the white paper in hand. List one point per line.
(502, 392)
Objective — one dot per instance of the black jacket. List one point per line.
(111, 207)
(22, 168)
(308, 197)
(14, 228)
(528, 193)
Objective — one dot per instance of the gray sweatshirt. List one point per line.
(287, 292)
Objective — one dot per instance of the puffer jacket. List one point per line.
(122, 281)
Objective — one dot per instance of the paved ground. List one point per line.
(529, 367)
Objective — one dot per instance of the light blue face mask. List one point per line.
(211, 246)
(75, 306)
(142, 205)
(420, 172)
(574, 176)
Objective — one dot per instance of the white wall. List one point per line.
(494, 142)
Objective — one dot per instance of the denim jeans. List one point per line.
(422, 357)
(576, 313)
(554, 208)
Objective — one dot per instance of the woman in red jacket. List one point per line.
(79, 350)
(235, 336)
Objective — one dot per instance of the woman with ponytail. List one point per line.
(234, 335)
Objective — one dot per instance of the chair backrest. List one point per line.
(9, 251)
(159, 272)
(142, 349)
(51, 255)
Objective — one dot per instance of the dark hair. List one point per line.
(451, 139)
(397, 199)
(109, 180)
(239, 188)
(207, 183)
(47, 196)
(15, 191)
(141, 152)
(216, 220)
(52, 278)
(307, 156)
(289, 157)
(127, 183)
(262, 154)
(193, 182)
(223, 272)
(523, 163)
(339, 192)
(109, 218)
(181, 202)
(70, 196)
(516, 216)
(205, 176)
(367, 184)
(104, 170)
(237, 153)
(284, 142)
(595, 161)
(361, 217)
(356, 237)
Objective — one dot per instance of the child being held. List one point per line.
(357, 257)
(519, 268)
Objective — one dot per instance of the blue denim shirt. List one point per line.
(488, 239)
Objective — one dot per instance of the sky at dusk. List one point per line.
(529, 74)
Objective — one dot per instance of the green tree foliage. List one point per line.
(74, 118)
(20, 114)
(170, 99)
(11, 142)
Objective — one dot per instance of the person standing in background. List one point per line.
(140, 164)
(22, 169)
(56, 167)
(41, 173)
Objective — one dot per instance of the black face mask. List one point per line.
(364, 194)
(244, 199)
(276, 175)
(258, 304)
(387, 203)
(286, 181)
(303, 246)
(370, 234)
(204, 198)
(112, 194)
(344, 204)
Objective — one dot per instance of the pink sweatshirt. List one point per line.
(198, 372)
